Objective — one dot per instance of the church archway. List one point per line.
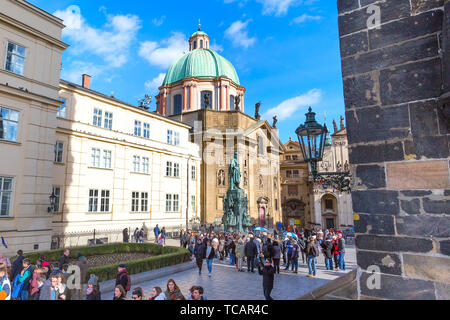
(329, 211)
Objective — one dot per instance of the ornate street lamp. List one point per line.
(52, 202)
(311, 136)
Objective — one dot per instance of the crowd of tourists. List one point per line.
(265, 252)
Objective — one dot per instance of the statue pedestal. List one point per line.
(236, 211)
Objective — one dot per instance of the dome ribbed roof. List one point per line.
(201, 63)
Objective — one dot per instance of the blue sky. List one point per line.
(286, 52)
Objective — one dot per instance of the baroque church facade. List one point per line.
(310, 205)
(202, 89)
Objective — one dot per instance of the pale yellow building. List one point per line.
(30, 55)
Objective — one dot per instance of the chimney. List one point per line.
(86, 81)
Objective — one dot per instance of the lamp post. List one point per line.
(52, 202)
(311, 136)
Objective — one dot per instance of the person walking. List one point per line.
(200, 254)
(240, 253)
(312, 252)
(163, 234)
(251, 251)
(156, 232)
(123, 278)
(5, 284)
(302, 244)
(125, 235)
(335, 252)
(210, 254)
(288, 253)
(294, 256)
(17, 266)
(327, 252)
(267, 271)
(232, 250)
(64, 259)
(22, 281)
(341, 249)
(276, 256)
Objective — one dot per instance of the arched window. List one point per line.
(177, 102)
(195, 44)
(201, 44)
(206, 101)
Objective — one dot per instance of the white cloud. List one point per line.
(304, 18)
(289, 107)
(162, 55)
(238, 34)
(159, 21)
(277, 7)
(153, 85)
(110, 42)
(216, 47)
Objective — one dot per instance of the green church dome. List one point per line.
(201, 63)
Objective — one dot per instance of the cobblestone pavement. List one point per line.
(226, 283)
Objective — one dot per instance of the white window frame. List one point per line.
(95, 157)
(136, 164)
(168, 202)
(144, 201)
(176, 139)
(97, 117)
(193, 172)
(9, 123)
(59, 152)
(9, 198)
(107, 159)
(176, 170)
(93, 200)
(169, 169)
(135, 201)
(175, 203)
(24, 57)
(146, 130)
(137, 128)
(61, 111)
(108, 120)
(193, 204)
(169, 136)
(145, 165)
(57, 207)
(105, 200)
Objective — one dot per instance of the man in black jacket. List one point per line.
(17, 265)
(64, 259)
(341, 249)
(250, 252)
(200, 254)
(123, 278)
(302, 245)
(267, 271)
(328, 253)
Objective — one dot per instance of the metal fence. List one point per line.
(99, 236)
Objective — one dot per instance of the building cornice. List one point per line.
(103, 98)
(29, 95)
(42, 13)
(23, 27)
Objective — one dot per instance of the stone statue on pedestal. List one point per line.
(235, 205)
(257, 115)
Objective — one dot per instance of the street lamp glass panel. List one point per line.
(311, 138)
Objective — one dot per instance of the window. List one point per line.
(168, 169)
(288, 173)
(135, 201)
(108, 120)
(288, 157)
(169, 136)
(15, 58)
(6, 185)
(176, 170)
(176, 203)
(144, 201)
(57, 193)
(232, 102)
(146, 130)
(276, 204)
(201, 44)
(97, 120)
(59, 150)
(176, 140)
(206, 97)
(61, 113)
(168, 203)
(193, 204)
(173, 137)
(294, 157)
(95, 158)
(136, 163)
(177, 102)
(9, 123)
(137, 128)
(104, 204)
(106, 159)
(195, 44)
(193, 173)
(329, 204)
(145, 165)
(93, 200)
(295, 174)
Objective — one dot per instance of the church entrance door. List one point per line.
(262, 216)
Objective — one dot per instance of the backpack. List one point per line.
(128, 286)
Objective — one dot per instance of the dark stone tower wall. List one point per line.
(394, 78)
